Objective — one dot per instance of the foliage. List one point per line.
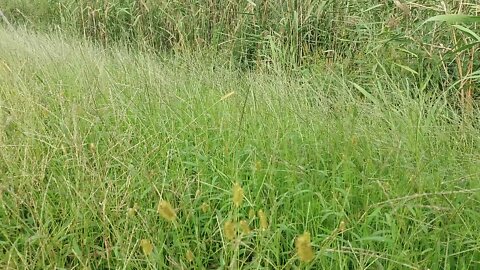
(248, 134)
(118, 159)
(470, 77)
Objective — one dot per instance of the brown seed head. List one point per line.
(403, 7)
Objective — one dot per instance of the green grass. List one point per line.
(87, 133)
(260, 34)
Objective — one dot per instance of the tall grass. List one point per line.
(283, 32)
(130, 139)
(337, 170)
(281, 36)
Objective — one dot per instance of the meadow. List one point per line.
(215, 148)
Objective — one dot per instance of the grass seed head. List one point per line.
(92, 147)
(244, 226)
(227, 95)
(237, 195)
(131, 212)
(342, 226)
(263, 220)
(229, 230)
(189, 255)
(205, 207)
(258, 165)
(166, 210)
(354, 140)
(251, 213)
(147, 247)
(64, 149)
(304, 247)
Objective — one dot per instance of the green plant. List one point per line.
(469, 71)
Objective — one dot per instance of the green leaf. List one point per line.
(365, 93)
(454, 18)
(406, 68)
(468, 32)
(466, 47)
(374, 238)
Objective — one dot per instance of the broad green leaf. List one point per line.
(455, 18)
(467, 31)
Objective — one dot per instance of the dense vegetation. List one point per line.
(238, 135)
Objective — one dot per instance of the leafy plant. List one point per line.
(465, 82)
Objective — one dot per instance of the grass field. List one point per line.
(116, 158)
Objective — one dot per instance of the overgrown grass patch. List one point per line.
(92, 139)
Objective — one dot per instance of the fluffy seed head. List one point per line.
(205, 207)
(131, 212)
(189, 255)
(229, 230)
(237, 195)
(263, 220)
(258, 165)
(92, 147)
(244, 226)
(251, 213)
(166, 210)
(342, 226)
(304, 247)
(147, 247)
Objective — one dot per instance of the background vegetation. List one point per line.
(149, 134)
(279, 35)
